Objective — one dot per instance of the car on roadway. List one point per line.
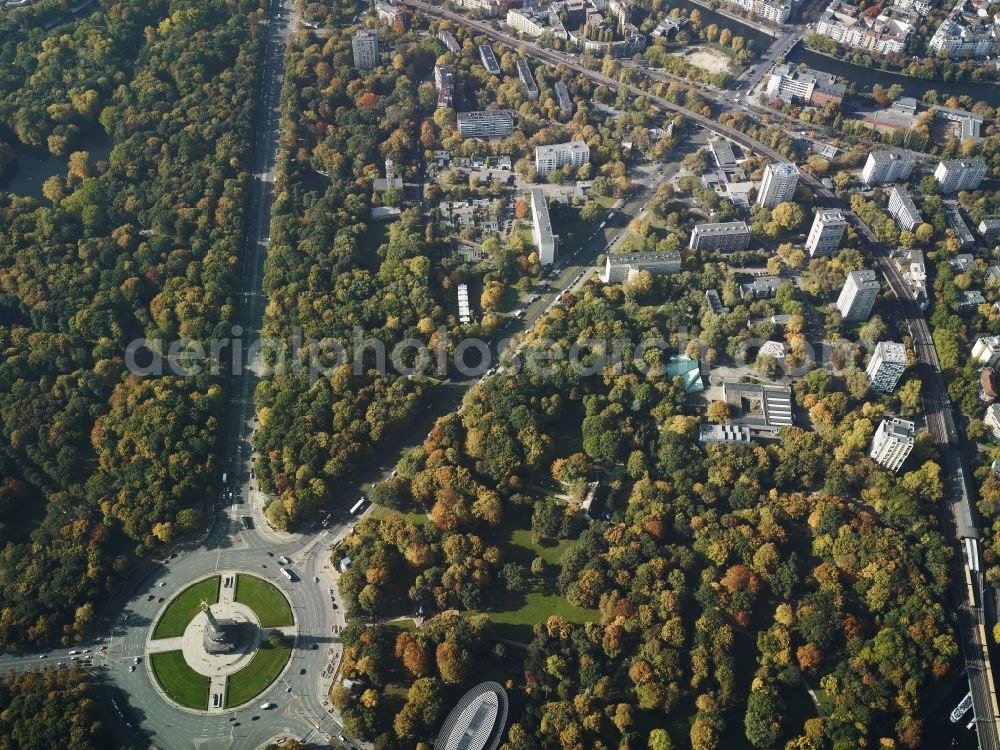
(315, 579)
(268, 706)
(131, 667)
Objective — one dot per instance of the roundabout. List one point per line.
(220, 642)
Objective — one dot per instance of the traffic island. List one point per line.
(228, 651)
(184, 607)
(267, 602)
(265, 667)
(178, 681)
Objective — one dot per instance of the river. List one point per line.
(760, 40)
(863, 77)
(867, 77)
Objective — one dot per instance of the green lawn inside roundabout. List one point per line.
(184, 607)
(255, 677)
(184, 686)
(267, 602)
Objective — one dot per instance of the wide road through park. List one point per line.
(135, 707)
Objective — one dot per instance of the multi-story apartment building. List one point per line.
(989, 228)
(826, 233)
(727, 236)
(886, 367)
(387, 12)
(565, 103)
(444, 82)
(959, 174)
(364, 45)
(526, 22)
(527, 80)
(986, 351)
(903, 210)
(858, 296)
(847, 25)
(490, 124)
(449, 41)
(892, 443)
(804, 86)
(775, 11)
(992, 420)
(778, 184)
(489, 8)
(960, 38)
(888, 165)
(557, 155)
(625, 266)
(489, 59)
(541, 228)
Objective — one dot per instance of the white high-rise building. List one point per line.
(888, 165)
(892, 443)
(887, 365)
(555, 156)
(364, 44)
(857, 298)
(778, 184)
(826, 233)
(903, 210)
(959, 174)
(541, 228)
(986, 351)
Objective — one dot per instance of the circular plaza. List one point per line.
(220, 642)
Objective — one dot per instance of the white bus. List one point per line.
(358, 505)
(287, 574)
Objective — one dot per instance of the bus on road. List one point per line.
(359, 505)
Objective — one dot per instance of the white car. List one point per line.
(268, 706)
